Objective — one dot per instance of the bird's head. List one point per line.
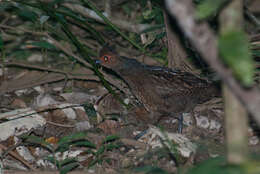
(108, 58)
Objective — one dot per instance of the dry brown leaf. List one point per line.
(109, 126)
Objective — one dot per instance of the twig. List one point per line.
(22, 29)
(68, 51)
(35, 67)
(60, 125)
(108, 22)
(252, 17)
(40, 110)
(65, 76)
(132, 142)
(18, 157)
(11, 148)
(136, 28)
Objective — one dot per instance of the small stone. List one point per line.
(58, 89)
(187, 119)
(2, 71)
(44, 100)
(79, 97)
(91, 171)
(83, 125)
(25, 153)
(202, 122)
(18, 103)
(35, 58)
(214, 125)
(45, 164)
(127, 101)
(173, 121)
(250, 132)
(69, 112)
(21, 92)
(253, 140)
(155, 136)
(39, 89)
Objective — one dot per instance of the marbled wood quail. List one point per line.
(162, 91)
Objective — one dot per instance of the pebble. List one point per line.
(214, 125)
(35, 58)
(254, 140)
(202, 122)
(187, 119)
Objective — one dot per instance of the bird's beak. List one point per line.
(98, 62)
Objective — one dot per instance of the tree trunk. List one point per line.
(177, 56)
(236, 119)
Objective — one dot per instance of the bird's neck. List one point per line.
(127, 66)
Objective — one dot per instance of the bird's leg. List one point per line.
(180, 123)
(179, 118)
(193, 117)
(140, 134)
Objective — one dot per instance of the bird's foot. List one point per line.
(180, 123)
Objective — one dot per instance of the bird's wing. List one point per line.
(168, 83)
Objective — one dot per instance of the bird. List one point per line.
(161, 91)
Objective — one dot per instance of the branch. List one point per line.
(128, 26)
(205, 41)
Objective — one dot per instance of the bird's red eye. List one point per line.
(106, 58)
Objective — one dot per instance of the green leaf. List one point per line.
(234, 51)
(68, 168)
(85, 143)
(90, 151)
(27, 14)
(126, 8)
(93, 162)
(111, 138)
(61, 18)
(62, 147)
(4, 6)
(73, 137)
(112, 146)
(252, 166)
(43, 44)
(150, 170)
(68, 12)
(21, 54)
(66, 141)
(90, 110)
(216, 166)
(53, 161)
(56, 2)
(256, 53)
(208, 8)
(38, 141)
(100, 150)
(148, 14)
(67, 161)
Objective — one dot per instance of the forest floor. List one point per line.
(55, 114)
(44, 114)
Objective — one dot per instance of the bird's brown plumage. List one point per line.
(162, 91)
